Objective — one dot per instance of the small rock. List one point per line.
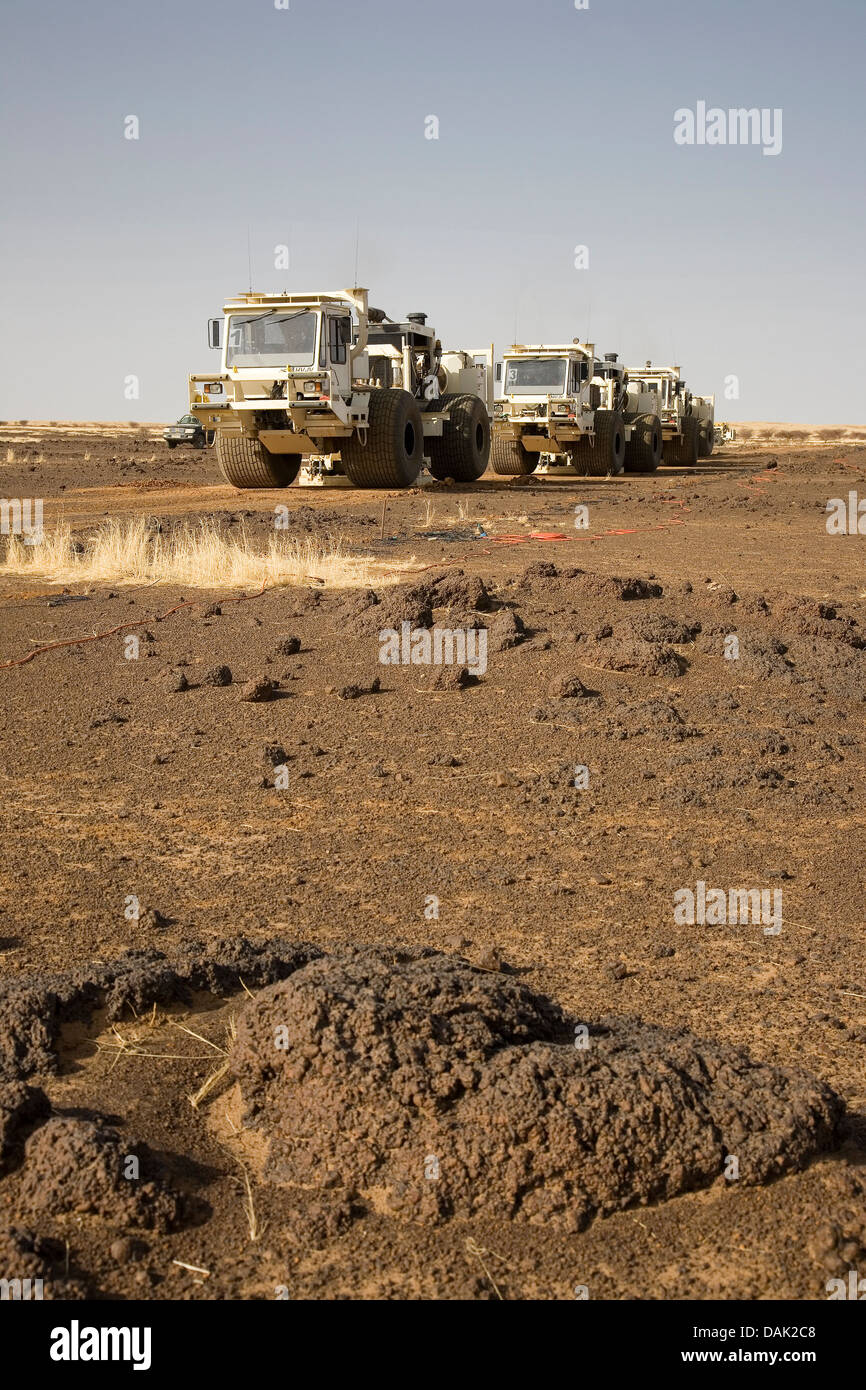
(256, 691)
(490, 959)
(126, 1249)
(152, 919)
(288, 646)
(567, 688)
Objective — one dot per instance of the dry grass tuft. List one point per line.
(130, 552)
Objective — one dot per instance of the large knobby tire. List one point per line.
(245, 462)
(510, 459)
(579, 455)
(394, 450)
(607, 456)
(706, 439)
(462, 452)
(643, 451)
(683, 451)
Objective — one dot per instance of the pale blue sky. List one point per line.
(555, 129)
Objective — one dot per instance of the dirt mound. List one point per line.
(435, 1090)
(808, 618)
(405, 603)
(34, 1009)
(543, 577)
(454, 589)
(763, 658)
(644, 658)
(85, 1167)
(658, 627)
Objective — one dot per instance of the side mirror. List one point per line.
(214, 332)
(498, 371)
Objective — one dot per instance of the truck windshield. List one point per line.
(272, 340)
(536, 376)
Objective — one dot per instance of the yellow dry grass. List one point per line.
(202, 557)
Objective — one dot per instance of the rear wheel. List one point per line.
(462, 451)
(706, 439)
(394, 451)
(643, 451)
(172, 443)
(607, 457)
(683, 451)
(245, 462)
(510, 459)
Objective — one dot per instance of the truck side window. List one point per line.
(339, 330)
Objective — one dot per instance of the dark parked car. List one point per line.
(187, 431)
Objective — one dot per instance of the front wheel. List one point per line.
(510, 459)
(393, 451)
(462, 451)
(245, 462)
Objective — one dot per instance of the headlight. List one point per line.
(311, 386)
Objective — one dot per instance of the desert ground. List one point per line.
(350, 990)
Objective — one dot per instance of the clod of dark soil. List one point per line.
(218, 675)
(567, 688)
(32, 1257)
(34, 1009)
(359, 1069)
(353, 692)
(288, 646)
(153, 920)
(453, 678)
(258, 690)
(21, 1109)
(506, 630)
(81, 1166)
